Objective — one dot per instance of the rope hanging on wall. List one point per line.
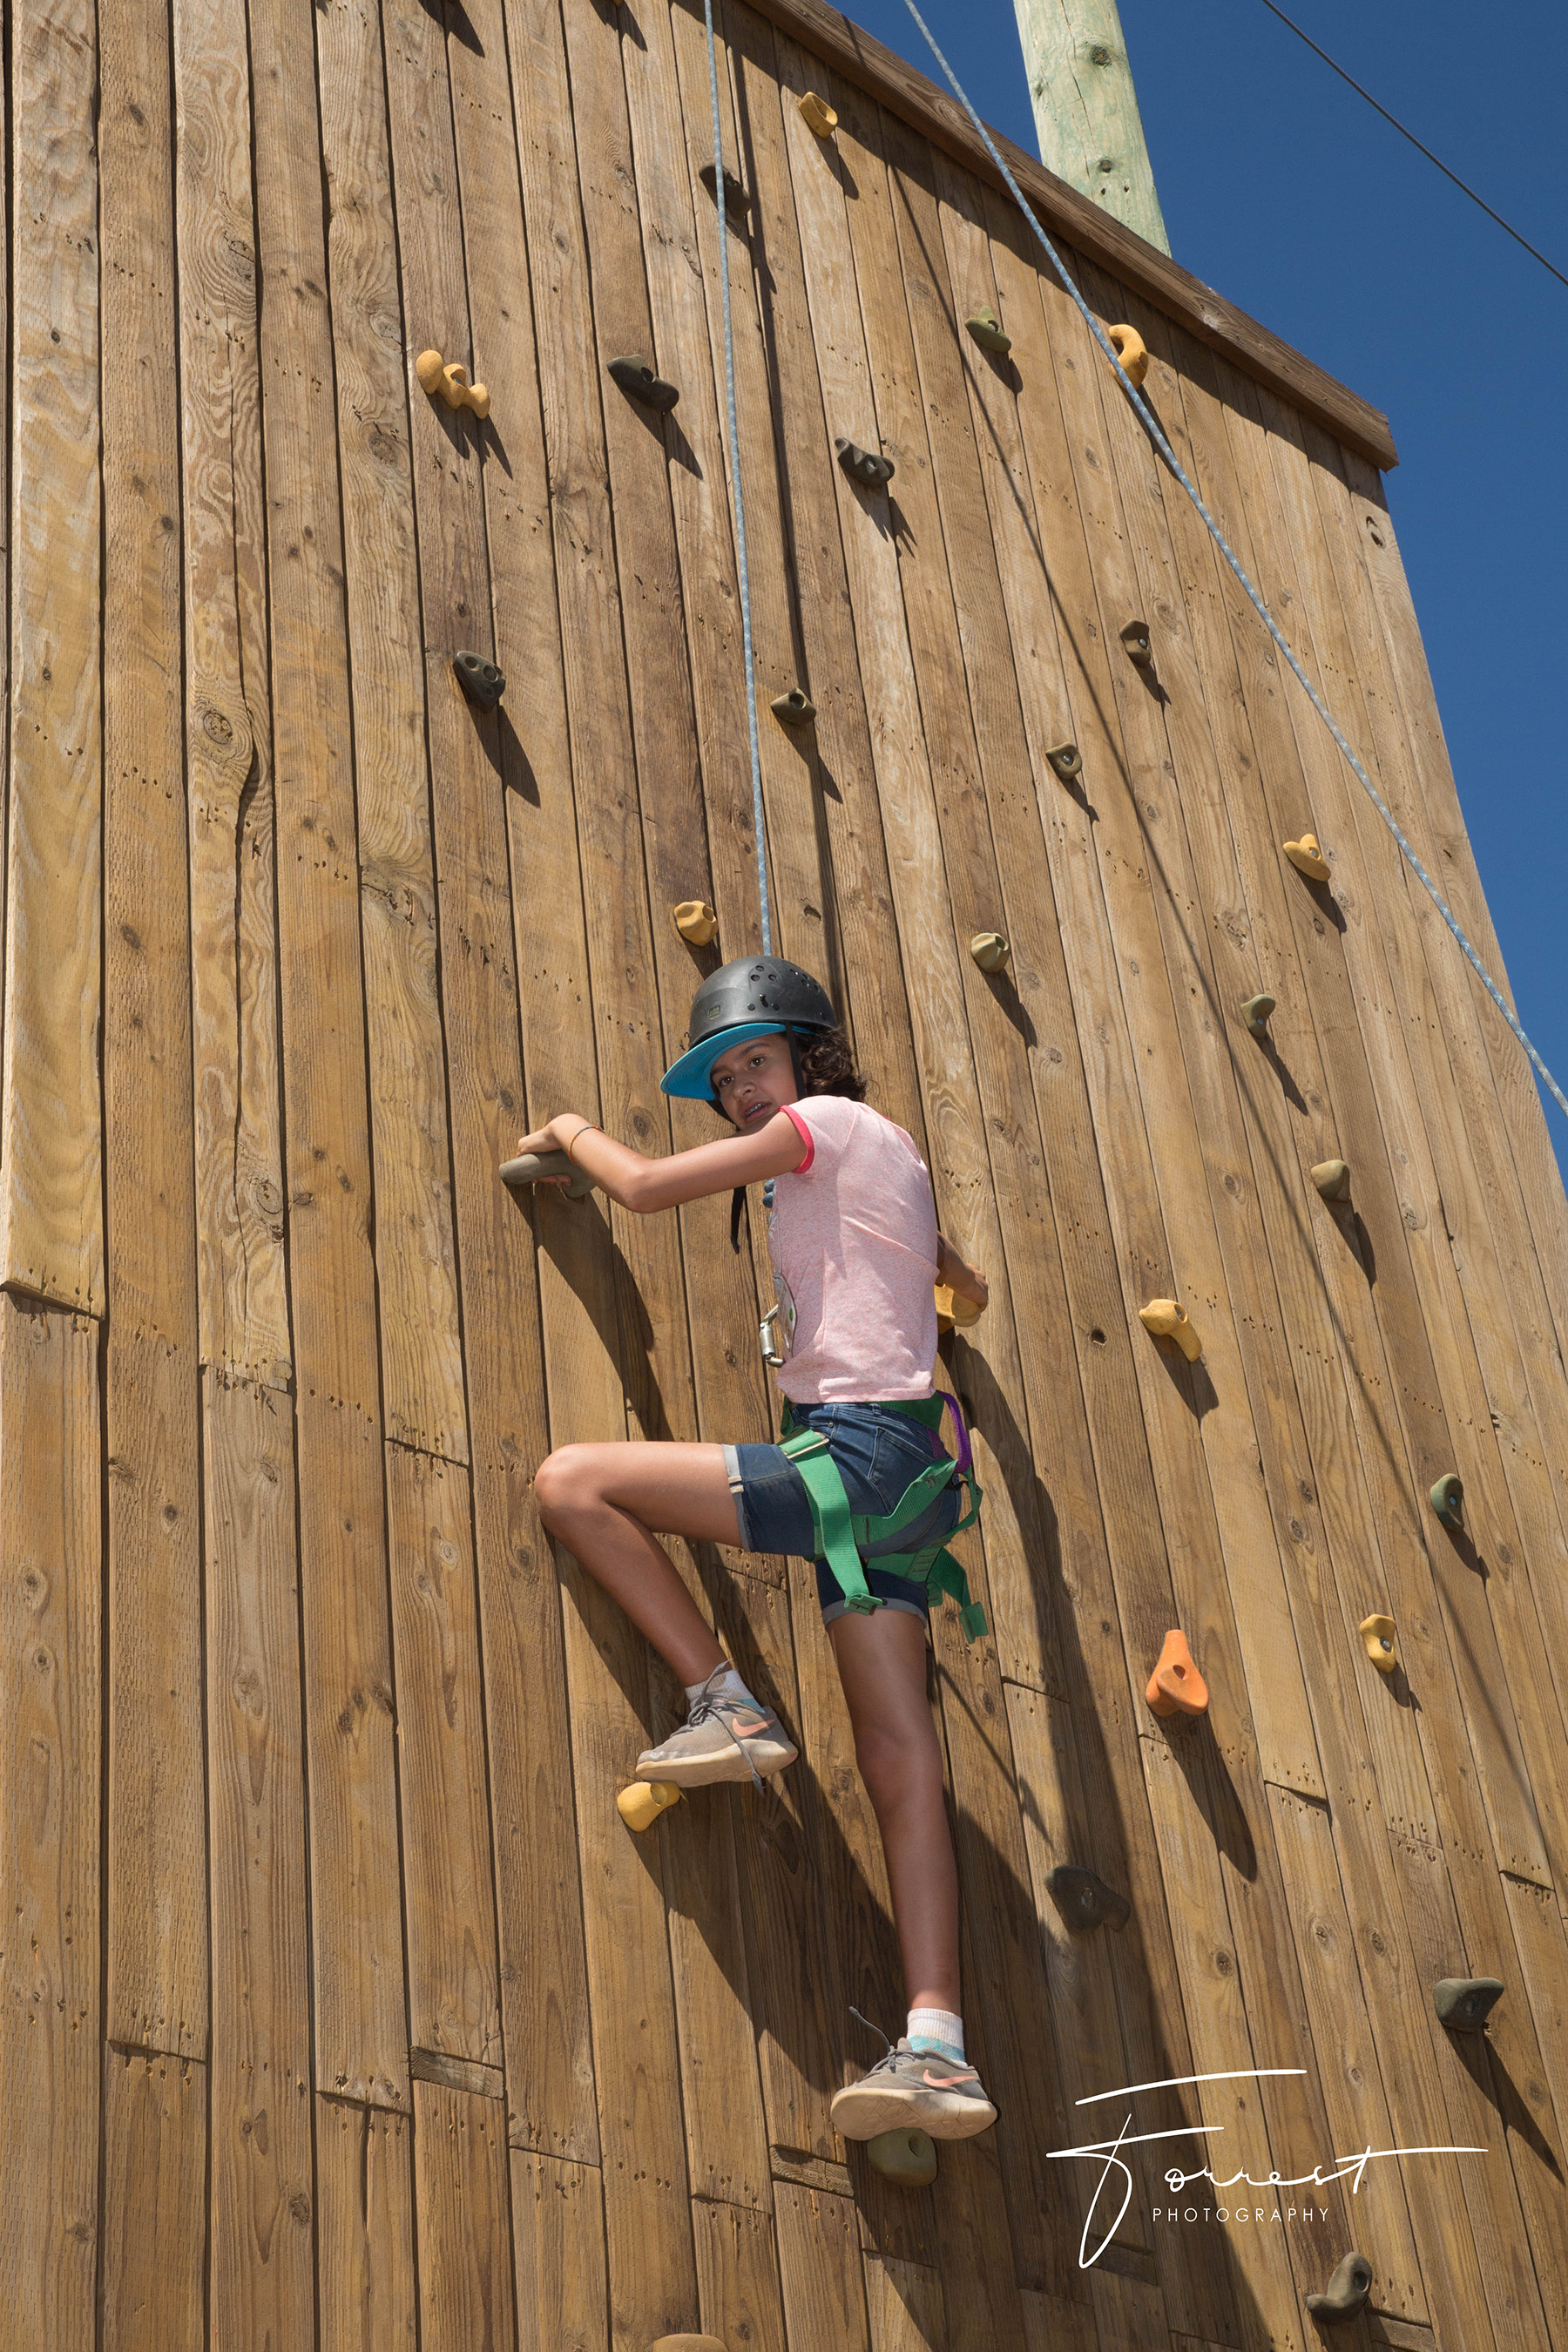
(1152, 427)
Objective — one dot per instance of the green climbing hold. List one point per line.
(1465, 2004)
(905, 2156)
(989, 333)
(1448, 1500)
(1347, 2291)
(1084, 1900)
(1255, 1012)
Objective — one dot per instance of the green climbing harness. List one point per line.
(844, 1539)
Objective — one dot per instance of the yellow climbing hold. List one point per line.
(640, 1805)
(696, 922)
(1169, 1321)
(1307, 858)
(449, 381)
(951, 1309)
(1128, 347)
(817, 115)
(1377, 1634)
(991, 951)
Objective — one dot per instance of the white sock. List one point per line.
(936, 2033)
(723, 1682)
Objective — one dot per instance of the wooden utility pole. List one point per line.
(1086, 109)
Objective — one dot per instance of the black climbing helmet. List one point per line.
(755, 996)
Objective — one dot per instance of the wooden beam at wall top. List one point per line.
(1064, 213)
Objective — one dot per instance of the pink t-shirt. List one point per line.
(853, 1243)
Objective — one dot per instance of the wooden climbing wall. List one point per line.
(337, 2007)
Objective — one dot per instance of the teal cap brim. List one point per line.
(691, 1075)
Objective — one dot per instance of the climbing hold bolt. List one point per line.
(863, 465)
(1135, 637)
(449, 380)
(479, 679)
(1169, 1321)
(1129, 346)
(991, 951)
(951, 1309)
(1255, 1012)
(640, 1805)
(696, 922)
(1067, 759)
(794, 708)
(1175, 1686)
(1465, 2004)
(1332, 1179)
(1377, 1636)
(1084, 1900)
(1447, 1499)
(1347, 2290)
(908, 2157)
(533, 1165)
(817, 115)
(1307, 858)
(989, 333)
(737, 196)
(636, 376)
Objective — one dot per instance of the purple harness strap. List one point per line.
(963, 1458)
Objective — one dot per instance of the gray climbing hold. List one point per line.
(479, 679)
(794, 708)
(905, 2156)
(532, 1165)
(1084, 1900)
(863, 465)
(1347, 2291)
(1255, 1012)
(634, 377)
(1448, 1500)
(1465, 2004)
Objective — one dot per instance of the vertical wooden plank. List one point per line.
(905, 2306)
(558, 2239)
(263, 2181)
(462, 2200)
(454, 1998)
(155, 2202)
(422, 1370)
(244, 1307)
(819, 2266)
(50, 1762)
(365, 2228)
(738, 2275)
(359, 2013)
(51, 1201)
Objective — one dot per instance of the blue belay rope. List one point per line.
(1151, 427)
(735, 482)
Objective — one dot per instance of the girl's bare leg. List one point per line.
(604, 1501)
(882, 1666)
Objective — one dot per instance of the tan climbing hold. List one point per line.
(817, 115)
(1307, 858)
(689, 2343)
(1067, 759)
(991, 951)
(1175, 1686)
(1140, 646)
(951, 1309)
(640, 1806)
(795, 708)
(1169, 1321)
(905, 2156)
(448, 379)
(696, 922)
(1130, 348)
(1332, 1179)
(1377, 1634)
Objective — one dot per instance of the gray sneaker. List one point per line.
(722, 1740)
(915, 2087)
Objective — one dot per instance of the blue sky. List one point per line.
(1286, 192)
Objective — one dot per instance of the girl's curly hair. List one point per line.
(827, 1065)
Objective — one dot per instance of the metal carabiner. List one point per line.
(767, 1339)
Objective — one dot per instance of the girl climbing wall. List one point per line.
(860, 1482)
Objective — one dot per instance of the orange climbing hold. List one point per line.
(1175, 1686)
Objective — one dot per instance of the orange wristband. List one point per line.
(589, 1127)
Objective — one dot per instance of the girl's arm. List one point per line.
(643, 1185)
(953, 1273)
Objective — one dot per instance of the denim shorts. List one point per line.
(878, 1452)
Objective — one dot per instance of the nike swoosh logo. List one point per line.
(949, 2082)
(750, 1730)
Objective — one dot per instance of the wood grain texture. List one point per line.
(462, 2198)
(364, 2209)
(238, 1107)
(50, 1796)
(51, 1144)
(558, 2238)
(155, 2202)
(824, 2294)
